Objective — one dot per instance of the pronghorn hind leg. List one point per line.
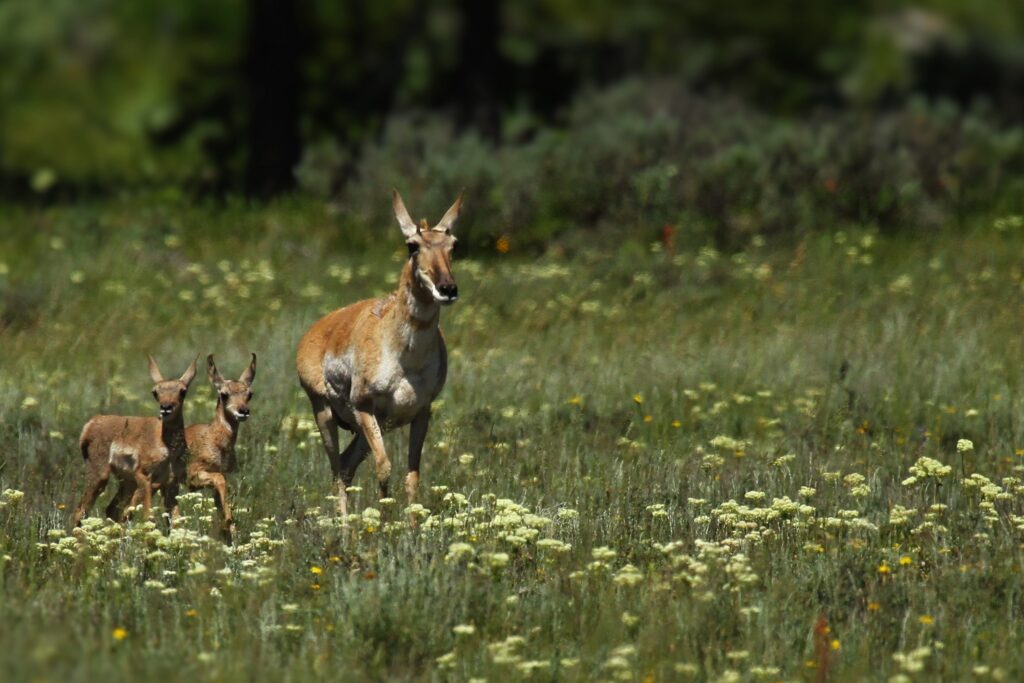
(354, 454)
(328, 426)
(371, 432)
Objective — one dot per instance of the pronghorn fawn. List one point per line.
(142, 452)
(379, 363)
(211, 446)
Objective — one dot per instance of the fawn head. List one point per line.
(235, 395)
(170, 393)
(431, 250)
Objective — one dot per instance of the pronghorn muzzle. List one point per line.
(449, 290)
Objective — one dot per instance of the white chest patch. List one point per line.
(401, 399)
(401, 376)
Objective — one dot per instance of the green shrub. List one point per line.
(644, 154)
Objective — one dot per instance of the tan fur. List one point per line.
(379, 363)
(211, 446)
(142, 452)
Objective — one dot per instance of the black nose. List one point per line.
(451, 291)
(166, 409)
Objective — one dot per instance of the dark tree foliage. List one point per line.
(273, 54)
(231, 95)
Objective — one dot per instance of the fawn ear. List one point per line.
(409, 228)
(249, 374)
(213, 373)
(190, 373)
(154, 371)
(447, 221)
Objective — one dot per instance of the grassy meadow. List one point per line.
(799, 461)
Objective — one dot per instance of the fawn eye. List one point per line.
(224, 395)
(155, 395)
(456, 249)
(248, 397)
(181, 392)
(413, 247)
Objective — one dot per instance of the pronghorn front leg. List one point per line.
(171, 507)
(371, 432)
(144, 487)
(218, 483)
(417, 435)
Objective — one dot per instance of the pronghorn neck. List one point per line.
(225, 424)
(172, 434)
(416, 305)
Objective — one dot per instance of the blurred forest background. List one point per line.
(728, 118)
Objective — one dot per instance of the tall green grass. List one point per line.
(613, 400)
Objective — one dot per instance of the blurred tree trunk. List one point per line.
(482, 73)
(274, 89)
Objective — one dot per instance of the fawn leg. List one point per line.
(93, 486)
(116, 506)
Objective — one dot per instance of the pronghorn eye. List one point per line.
(248, 397)
(414, 247)
(456, 249)
(224, 395)
(155, 395)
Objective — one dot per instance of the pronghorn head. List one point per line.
(170, 393)
(430, 250)
(234, 395)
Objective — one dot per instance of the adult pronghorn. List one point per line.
(377, 364)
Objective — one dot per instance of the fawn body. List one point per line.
(379, 363)
(211, 446)
(140, 451)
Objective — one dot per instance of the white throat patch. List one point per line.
(426, 281)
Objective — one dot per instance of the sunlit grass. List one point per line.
(645, 464)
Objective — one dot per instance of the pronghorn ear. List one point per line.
(154, 371)
(249, 374)
(450, 216)
(409, 228)
(213, 373)
(190, 373)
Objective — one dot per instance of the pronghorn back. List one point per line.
(331, 333)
